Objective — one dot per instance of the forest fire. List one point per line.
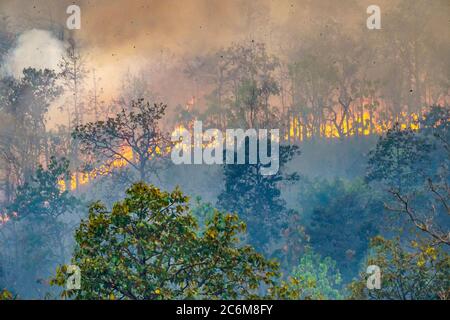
(82, 178)
(4, 218)
(365, 124)
(224, 150)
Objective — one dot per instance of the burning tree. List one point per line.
(131, 138)
(244, 81)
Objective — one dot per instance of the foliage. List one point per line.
(135, 131)
(35, 238)
(340, 218)
(322, 274)
(6, 295)
(414, 166)
(397, 158)
(244, 78)
(149, 246)
(24, 104)
(202, 211)
(257, 198)
(420, 271)
(327, 81)
(42, 197)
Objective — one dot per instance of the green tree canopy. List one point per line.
(149, 246)
(415, 272)
(320, 274)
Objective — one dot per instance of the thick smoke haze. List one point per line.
(184, 26)
(157, 39)
(360, 157)
(34, 48)
(119, 39)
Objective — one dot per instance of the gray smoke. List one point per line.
(34, 48)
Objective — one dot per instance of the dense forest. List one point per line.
(86, 177)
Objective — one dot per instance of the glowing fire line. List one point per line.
(364, 124)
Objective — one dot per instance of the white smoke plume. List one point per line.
(34, 48)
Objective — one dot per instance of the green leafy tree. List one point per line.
(321, 274)
(413, 165)
(6, 295)
(149, 246)
(202, 211)
(421, 271)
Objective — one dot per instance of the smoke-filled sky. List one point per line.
(123, 32)
(136, 25)
(119, 36)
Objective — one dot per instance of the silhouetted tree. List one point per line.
(132, 137)
(257, 198)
